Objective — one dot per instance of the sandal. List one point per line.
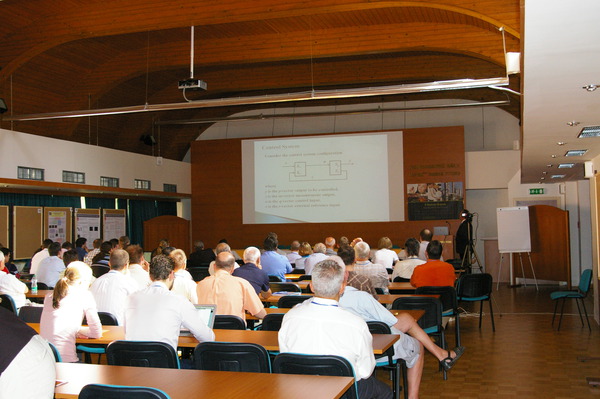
(448, 362)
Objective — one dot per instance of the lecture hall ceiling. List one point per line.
(81, 54)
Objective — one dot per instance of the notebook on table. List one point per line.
(207, 314)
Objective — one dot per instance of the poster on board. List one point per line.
(87, 224)
(57, 226)
(513, 230)
(113, 223)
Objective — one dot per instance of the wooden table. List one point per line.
(293, 277)
(185, 384)
(40, 294)
(266, 339)
(401, 288)
(384, 299)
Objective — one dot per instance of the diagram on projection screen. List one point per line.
(319, 179)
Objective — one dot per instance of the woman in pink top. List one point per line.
(64, 310)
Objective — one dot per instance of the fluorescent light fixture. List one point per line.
(589, 131)
(575, 153)
(558, 176)
(565, 165)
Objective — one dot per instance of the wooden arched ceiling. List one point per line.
(70, 55)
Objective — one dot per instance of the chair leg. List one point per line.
(457, 327)
(579, 310)
(480, 312)
(562, 308)
(586, 315)
(554, 314)
(492, 314)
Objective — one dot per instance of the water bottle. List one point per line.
(34, 285)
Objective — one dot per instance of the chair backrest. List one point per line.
(432, 319)
(401, 280)
(474, 285)
(289, 301)
(298, 271)
(274, 279)
(379, 327)
(100, 391)
(231, 356)
(447, 295)
(99, 270)
(288, 287)
(198, 273)
(305, 277)
(272, 322)
(108, 319)
(228, 322)
(585, 281)
(31, 314)
(142, 354)
(40, 286)
(55, 352)
(294, 363)
(7, 302)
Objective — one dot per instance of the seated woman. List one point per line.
(385, 256)
(304, 252)
(64, 309)
(403, 270)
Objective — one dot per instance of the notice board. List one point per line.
(513, 230)
(113, 223)
(28, 222)
(58, 224)
(87, 224)
(4, 225)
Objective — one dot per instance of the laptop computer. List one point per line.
(207, 314)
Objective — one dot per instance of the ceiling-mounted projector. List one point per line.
(192, 84)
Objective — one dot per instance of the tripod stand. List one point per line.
(470, 256)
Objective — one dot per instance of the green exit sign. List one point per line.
(534, 191)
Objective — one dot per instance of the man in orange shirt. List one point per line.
(434, 272)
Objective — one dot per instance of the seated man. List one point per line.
(314, 258)
(330, 244)
(377, 273)
(50, 268)
(157, 314)
(11, 285)
(408, 348)
(434, 272)
(138, 266)
(319, 326)
(112, 289)
(221, 247)
(274, 264)
(232, 295)
(201, 257)
(359, 281)
(293, 255)
(253, 272)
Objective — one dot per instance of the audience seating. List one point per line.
(106, 319)
(231, 356)
(198, 273)
(99, 270)
(101, 391)
(272, 322)
(449, 304)
(55, 352)
(274, 279)
(41, 286)
(7, 302)
(579, 296)
(31, 314)
(395, 367)
(476, 287)
(228, 322)
(289, 301)
(285, 287)
(142, 354)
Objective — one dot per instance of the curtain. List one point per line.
(40, 200)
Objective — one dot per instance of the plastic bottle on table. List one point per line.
(34, 288)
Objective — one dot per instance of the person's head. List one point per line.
(114, 242)
(96, 243)
(270, 243)
(434, 250)
(179, 258)
(223, 240)
(327, 279)
(46, 243)
(124, 242)
(426, 235)
(167, 250)
(198, 245)
(305, 249)
(54, 249)
(80, 242)
(136, 254)
(330, 242)
(272, 234)
(161, 269)
(67, 245)
(295, 246)
(252, 255)
(70, 256)
(319, 248)
(344, 241)
(119, 259)
(76, 274)
(362, 250)
(222, 247)
(412, 247)
(106, 247)
(225, 261)
(355, 241)
(346, 252)
(384, 243)
(7, 254)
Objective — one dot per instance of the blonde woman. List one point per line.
(183, 284)
(305, 251)
(64, 309)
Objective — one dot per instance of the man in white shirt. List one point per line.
(319, 326)
(314, 258)
(50, 268)
(330, 244)
(112, 289)
(10, 285)
(138, 266)
(293, 255)
(157, 314)
(377, 273)
(38, 257)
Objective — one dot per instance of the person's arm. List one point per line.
(261, 314)
(288, 266)
(192, 321)
(94, 327)
(266, 294)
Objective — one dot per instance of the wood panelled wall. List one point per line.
(217, 200)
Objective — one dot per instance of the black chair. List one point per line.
(228, 322)
(289, 301)
(57, 357)
(274, 279)
(449, 304)
(272, 322)
(389, 270)
(40, 286)
(142, 354)
(395, 367)
(305, 277)
(7, 302)
(231, 356)
(294, 363)
(106, 319)
(99, 270)
(401, 280)
(298, 271)
(31, 314)
(579, 295)
(285, 287)
(431, 321)
(198, 273)
(100, 391)
(474, 288)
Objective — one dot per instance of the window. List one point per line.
(170, 188)
(142, 184)
(30, 173)
(109, 181)
(73, 177)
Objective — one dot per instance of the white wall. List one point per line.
(54, 156)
